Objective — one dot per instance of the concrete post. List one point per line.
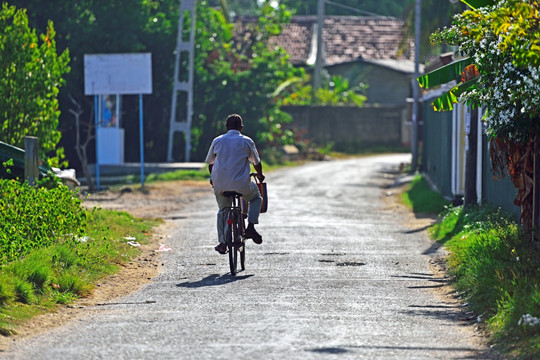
(31, 173)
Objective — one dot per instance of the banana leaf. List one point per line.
(444, 74)
(446, 101)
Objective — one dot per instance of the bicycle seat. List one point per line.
(231, 193)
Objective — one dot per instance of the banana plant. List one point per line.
(462, 71)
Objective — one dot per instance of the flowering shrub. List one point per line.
(504, 41)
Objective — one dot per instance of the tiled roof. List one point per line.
(346, 38)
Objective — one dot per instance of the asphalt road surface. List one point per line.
(337, 277)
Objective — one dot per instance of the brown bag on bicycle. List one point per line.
(264, 196)
(244, 205)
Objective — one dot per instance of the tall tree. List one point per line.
(239, 74)
(30, 78)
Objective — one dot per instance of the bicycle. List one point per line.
(234, 237)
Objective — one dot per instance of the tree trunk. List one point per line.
(80, 149)
(471, 198)
(536, 189)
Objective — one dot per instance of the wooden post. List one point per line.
(31, 173)
(471, 197)
(536, 188)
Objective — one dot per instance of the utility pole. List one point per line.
(416, 89)
(183, 48)
(319, 60)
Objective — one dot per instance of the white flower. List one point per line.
(529, 320)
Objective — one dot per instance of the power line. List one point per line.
(353, 9)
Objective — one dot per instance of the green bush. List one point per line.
(33, 218)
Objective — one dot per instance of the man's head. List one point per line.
(234, 122)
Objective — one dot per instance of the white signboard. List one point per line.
(118, 74)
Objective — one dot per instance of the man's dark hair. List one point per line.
(234, 121)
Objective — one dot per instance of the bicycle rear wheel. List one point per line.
(231, 242)
(241, 241)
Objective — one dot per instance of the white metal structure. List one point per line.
(187, 8)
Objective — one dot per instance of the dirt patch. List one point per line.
(160, 200)
(163, 200)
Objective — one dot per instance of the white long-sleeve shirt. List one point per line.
(231, 155)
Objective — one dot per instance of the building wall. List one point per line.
(385, 86)
(348, 128)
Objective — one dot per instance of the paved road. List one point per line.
(337, 277)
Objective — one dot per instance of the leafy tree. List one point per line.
(239, 76)
(30, 78)
(334, 91)
(230, 76)
(120, 26)
(502, 42)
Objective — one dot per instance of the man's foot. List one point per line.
(221, 248)
(251, 233)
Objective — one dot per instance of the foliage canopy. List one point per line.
(503, 40)
(30, 78)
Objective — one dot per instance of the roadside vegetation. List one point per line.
(53, 251)
(495, 267)
(422, 199)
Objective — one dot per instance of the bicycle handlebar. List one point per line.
(254, 174)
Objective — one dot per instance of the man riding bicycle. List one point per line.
(229, 159)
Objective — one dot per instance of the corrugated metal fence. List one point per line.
(441, 160)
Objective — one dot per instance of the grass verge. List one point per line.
(496, 269)
(421, 199)
(67, 270)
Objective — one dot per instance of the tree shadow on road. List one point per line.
(409, 351)
(213, 280)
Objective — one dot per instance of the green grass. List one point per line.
(68, 269)
(421, 199)
(201, 174)
(497, 268)
(494, 266)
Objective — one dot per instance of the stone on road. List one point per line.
(337, 277)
